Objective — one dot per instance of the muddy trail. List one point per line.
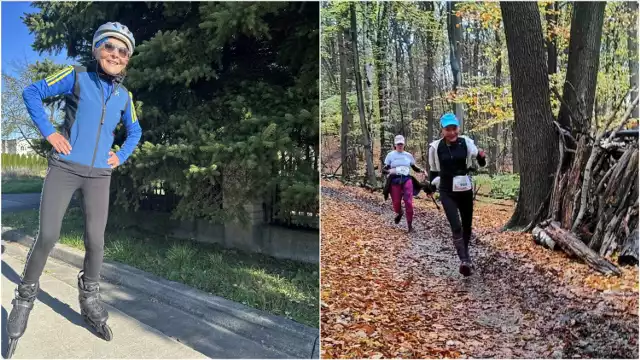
(387, 293)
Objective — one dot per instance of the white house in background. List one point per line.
(17, 146)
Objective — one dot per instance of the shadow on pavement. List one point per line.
(58, 306)
(197, 335)
(5, 337)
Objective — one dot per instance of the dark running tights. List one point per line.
(59, 186)
(454, 202)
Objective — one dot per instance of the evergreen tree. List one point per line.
(226, 93)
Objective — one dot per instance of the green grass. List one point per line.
(13, 183)
(285, 288)
(504, 186)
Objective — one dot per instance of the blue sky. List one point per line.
(16, 40)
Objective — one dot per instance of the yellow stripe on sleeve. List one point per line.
(134, 116)
(59, 75)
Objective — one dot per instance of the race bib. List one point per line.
(462, 183)
(403, 170)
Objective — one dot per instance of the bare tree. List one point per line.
(366, 138)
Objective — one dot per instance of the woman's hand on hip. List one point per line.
(113, 160)
(59, 143)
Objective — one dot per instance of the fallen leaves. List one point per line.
(389, 294)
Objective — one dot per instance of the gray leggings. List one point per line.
(59, 186)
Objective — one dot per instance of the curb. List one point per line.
(284, 335)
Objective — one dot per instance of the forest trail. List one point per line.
(386, 293)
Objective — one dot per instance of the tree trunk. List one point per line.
(582, 71)
(413, 88)
(494, 149)
(345, 144)
(455, 35)
(515, 160)
(398, 53)
(381, 67)
(475, 63)
(430, 48)
(537, 150)
(368, 67)
(366, 139)
(430, 93)
(632, 46)
(552, 48)
(328, 66)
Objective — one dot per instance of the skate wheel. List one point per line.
(106, 332)
(13, 343)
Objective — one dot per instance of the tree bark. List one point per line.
(582, 71)
(515, 160)
(329, 64)
(632, 46)
(494, 149)
(368, 74)
(399, 62)
(413, 87)
(629, 253)
(430, 48)
(345, 144)
(381, 67)
(366, 139)
(552, 48)
(455, 36)
(537, 150)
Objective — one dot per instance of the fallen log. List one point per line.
(572, 245)
(541, 238)
(629, 253)
(632, 133)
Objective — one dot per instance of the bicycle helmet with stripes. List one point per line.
(116, 30)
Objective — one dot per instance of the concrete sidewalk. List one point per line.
(17, 202)
(56, 329)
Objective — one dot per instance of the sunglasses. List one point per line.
(123, 52)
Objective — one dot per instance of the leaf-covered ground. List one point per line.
(386, 293)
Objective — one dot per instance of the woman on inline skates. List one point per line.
(81, 158)
(450, 159)
(400, 183)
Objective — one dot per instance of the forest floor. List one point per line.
(387, 293)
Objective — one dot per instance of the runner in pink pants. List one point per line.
(400, 192)
(398, 165)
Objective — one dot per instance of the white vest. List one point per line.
(434, 161)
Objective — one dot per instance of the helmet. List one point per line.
(116, 30)
(449, 119)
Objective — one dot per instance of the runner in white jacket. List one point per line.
(450, 159)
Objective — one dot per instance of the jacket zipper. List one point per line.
(104, 109)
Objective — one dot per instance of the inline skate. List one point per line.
(17, 322)
(91, 307)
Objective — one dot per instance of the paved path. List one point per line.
(56, 329)
(17, 202)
